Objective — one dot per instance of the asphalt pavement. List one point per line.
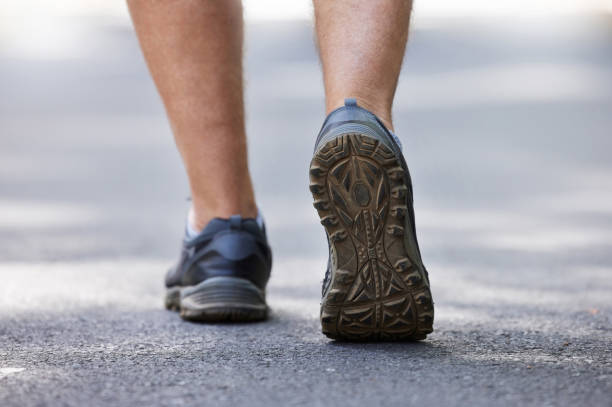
(506, 127)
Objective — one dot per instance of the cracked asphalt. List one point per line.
(506, 129)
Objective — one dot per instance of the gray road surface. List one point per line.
(507, 130)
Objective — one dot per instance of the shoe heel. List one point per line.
(219, 299)
(173, 298)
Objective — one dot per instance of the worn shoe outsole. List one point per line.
(218, 299)
(376, 292)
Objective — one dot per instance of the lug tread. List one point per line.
(377, 291)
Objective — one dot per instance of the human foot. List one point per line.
(376, 287)
(222, 273)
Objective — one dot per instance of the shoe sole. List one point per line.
(377, 292)
(218, 299)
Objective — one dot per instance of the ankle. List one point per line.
(199, 216)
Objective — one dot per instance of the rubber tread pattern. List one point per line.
(377, 291)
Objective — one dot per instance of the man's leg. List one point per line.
(194, 52)
(362, 44)
(376, 287)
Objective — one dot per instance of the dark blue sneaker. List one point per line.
(376, 287)
(222, 273)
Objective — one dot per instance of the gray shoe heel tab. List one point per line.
(352, 114)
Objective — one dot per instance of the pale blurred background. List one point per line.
(505, 112)
(504, 108)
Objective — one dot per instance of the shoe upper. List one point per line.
(234, 247)
(351, 118)
(350, 113)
